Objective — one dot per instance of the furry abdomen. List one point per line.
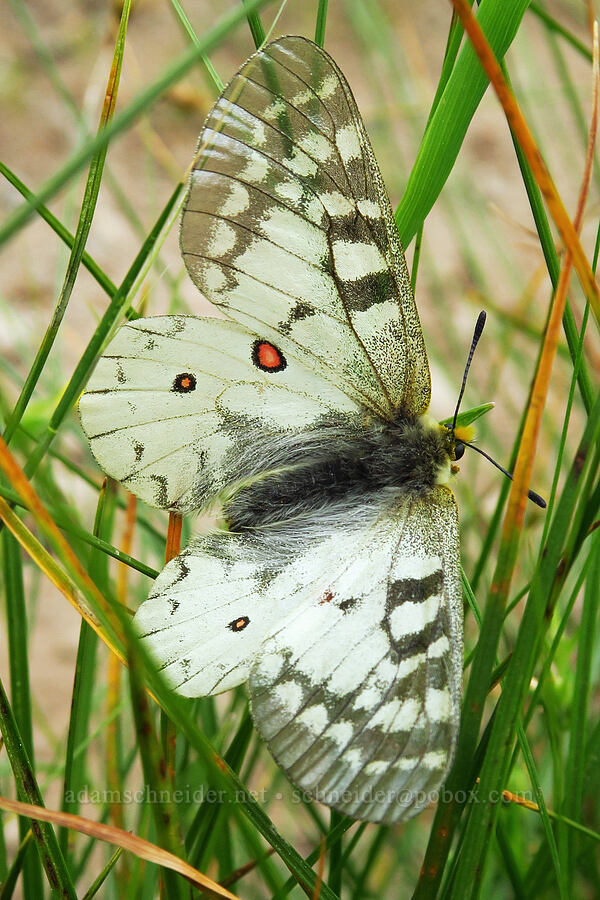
(404, 456)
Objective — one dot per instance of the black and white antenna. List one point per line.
(461, 444)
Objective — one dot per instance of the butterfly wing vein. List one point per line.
(349, 631)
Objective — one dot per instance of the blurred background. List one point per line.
(479, 250)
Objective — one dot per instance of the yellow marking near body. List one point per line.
(465, 433)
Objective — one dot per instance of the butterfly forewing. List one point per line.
(178, 407)
(287, 227)
(357, 692)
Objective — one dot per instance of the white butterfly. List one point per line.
(335, 590)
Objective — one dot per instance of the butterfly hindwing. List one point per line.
(206, 615)
(357, 693)
(351, 642)
(212, 606)
(178, 407)
(288, 229)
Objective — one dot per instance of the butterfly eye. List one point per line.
(459, 449)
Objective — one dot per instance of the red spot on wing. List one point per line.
(267, 357)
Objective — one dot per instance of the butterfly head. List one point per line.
(463, 435)
(443, 445)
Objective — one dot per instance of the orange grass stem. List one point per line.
(17, 478)
(518, 495)
(173, 537)
(117, 837)
(523, 134)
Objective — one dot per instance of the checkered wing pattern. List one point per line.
(288, 229)
(352, 647)
(357, 693)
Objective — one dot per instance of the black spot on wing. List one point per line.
(162, 487)
(360, 294)
(415, 590)
(347, 604)
(267, 357)
(184, 383)
(239, 623)
(299, 311)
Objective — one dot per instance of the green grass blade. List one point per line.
(191, 34)
(110, 317)
(10, 878)
(321, 23)
(335, 855)
(255, 25)
(576, 759)
(203, 824)
(334, 835)
(81, 700)
(92, 540)
(126, 119)
(63, 233)
(500, 20)
(553, 25)
(571, 332)
(84, 224)
(545, 819)
(52, 859)
(163, 809)
(101, 878)
(495, 765)
(17, 635)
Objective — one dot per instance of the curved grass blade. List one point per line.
(88, 207)
(125, 120)
(551, 23)
(495, 765)
(57, 226)
(17, 627)
(119, 838)
(518, 124)
(52, 859)
(446, 130)
(83, 685)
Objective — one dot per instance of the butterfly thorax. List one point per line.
(408, 455)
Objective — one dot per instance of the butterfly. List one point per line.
(332, 583)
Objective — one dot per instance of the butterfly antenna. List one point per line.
(531, 494)
(476, 335)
